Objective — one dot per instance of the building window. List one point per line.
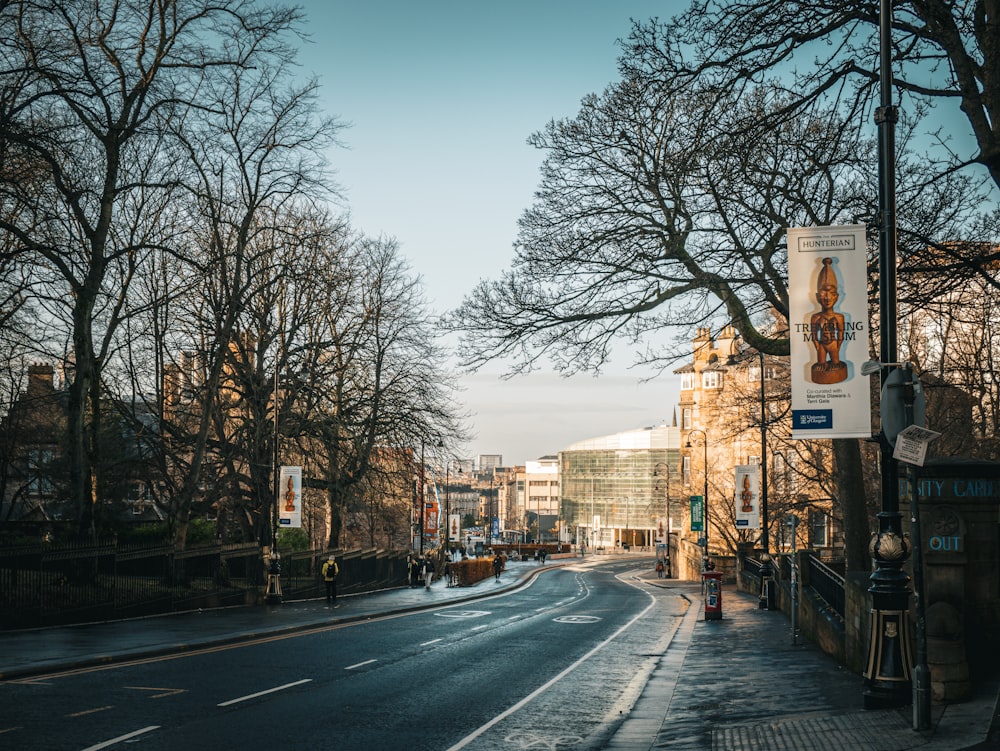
(686, 469)
(686, 419)
(687, 381)
(753, 459)
(38, 475)
(819, 528)
(753, 373)
(779, 473)
(711, 379)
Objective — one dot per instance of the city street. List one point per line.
(557, 662)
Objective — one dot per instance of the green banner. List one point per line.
(697, 513)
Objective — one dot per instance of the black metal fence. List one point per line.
(827, 583)
(81, 583)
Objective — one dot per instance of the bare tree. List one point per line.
(381, 384)
(944, 56)
(665, 206)
(98, 87)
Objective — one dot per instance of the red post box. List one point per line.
(712, 585)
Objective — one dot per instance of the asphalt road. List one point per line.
(552, 665)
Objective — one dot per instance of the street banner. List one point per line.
(748, 496)
(697, 513)
(430, 518)
(454, 527)
(828, 322)
(290, 497)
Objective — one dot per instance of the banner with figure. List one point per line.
(828, 328)
(290, 497)
(748, 496)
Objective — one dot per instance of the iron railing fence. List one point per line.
(827, 583)
(85, 582)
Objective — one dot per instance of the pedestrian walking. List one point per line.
(330, 571)
(497, 566)
(659, 568)
(428, 572)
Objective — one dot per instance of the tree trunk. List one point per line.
(849, 478)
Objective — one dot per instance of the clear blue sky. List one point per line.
(441, 96)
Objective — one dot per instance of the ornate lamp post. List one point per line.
(887, 678)
(704, 500)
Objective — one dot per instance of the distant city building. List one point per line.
(490, 462)
(614, 489)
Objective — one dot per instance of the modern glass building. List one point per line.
(622, 489)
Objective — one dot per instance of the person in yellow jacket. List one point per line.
(330, 572)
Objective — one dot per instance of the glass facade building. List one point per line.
(622, 489)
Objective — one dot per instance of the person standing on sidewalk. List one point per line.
(497, 566)
(330, 571)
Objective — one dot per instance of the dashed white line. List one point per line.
(432, 641)
(360, 664)
(263, 693)
(121, 738)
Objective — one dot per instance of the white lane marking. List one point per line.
(263, 693)
(462, 613)
(163, 691)
(576, 619)
(432, 641)
(121, 738)
(480, 628)
(360, 664)
(551, 682)
(91, 711)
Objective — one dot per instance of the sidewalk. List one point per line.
(738, 684)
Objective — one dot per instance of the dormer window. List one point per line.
(711, 379)
(687, 381)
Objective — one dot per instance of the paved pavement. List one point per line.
(738, 684)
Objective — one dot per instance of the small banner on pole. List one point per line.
(431, 519)
(747, 496)
(697, 513)
(290, 497)
(828, 328)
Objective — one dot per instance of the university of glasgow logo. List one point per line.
(812, 419)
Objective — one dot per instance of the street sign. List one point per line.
(912, 443)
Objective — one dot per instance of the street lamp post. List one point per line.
(766, 571)
(704, 500)
(664, 468)
(272, 591)
(887, 679)
(421, 496)
(447, 507)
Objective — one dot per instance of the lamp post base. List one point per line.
(888, 669)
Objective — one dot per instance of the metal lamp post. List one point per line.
(766, 571)
(887, 681)
(447, 507)
(663, 467)
(704, 500)
(421, 497)
(272, 592)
